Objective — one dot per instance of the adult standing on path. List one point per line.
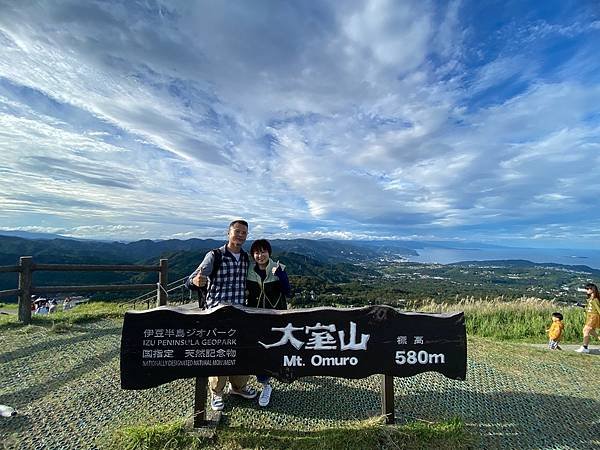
(228, 286)
(268, 286)
(592, 318)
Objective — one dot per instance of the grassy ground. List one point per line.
(61, 373)
(85, 312)
(365, 435)
(524, 320)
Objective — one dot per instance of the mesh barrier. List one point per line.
(66, 389)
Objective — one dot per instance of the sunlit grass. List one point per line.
(9, 306)
(164, 436)
(525, 319)
(363, 434)
(61, 321)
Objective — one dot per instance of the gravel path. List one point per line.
(66, 389)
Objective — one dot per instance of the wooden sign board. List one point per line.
(167, 343)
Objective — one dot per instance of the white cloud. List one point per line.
(167, 119)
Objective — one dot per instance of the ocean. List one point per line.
(590, 258)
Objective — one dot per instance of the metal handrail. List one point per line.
(174, 285)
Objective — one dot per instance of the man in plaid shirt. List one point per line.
(228, 286)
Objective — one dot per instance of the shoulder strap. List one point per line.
(218, 259)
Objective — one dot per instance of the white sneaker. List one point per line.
(582, 349)
(265, 395)
(216, 402)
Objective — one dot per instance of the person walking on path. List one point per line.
(268, 285)
(555, 331)
(228, 286)
(592, 317)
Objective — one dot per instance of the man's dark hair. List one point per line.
(557, 315)
(261, 244)
(241, 222)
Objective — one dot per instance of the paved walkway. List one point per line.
(594, 350)
(66, 388)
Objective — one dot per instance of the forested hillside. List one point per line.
(322, 272)
(322, 261)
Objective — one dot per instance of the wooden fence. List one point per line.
(26, 288)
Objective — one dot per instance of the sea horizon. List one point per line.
(570, 257)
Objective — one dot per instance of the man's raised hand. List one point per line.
(199, 280)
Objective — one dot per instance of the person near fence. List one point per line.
(555, 331)
(592, 316)
(41, 306)
(268, 285)
(228, 286)
(67, 304)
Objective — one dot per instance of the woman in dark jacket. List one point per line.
(268, 285)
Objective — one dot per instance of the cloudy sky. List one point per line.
(469, 120)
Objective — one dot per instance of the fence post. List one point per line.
(387, 399)
(161, 295)
(26, 263)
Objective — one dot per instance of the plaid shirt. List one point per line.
(229, 285)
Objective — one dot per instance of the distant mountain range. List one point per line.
(302, 246)
(31, 235)
(64, 250)
(328, 261)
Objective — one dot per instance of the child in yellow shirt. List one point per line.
(555, 331)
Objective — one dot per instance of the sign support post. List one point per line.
(200, 402)
(387, 398)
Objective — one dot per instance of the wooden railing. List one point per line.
(26, 287)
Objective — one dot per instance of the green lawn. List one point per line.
(62, 374)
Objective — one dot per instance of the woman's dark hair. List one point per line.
(594, 288)
(558, 315)
(261, 244)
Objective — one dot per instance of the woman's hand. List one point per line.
(275, 268)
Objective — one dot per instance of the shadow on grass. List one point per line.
(35, 392)
(19, 421)
(499, 419)
(328, 398)
(9, 439)
(511, 419)
(50, 343)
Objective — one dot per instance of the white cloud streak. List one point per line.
(344, 119)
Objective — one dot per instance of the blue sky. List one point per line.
(466, 120)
